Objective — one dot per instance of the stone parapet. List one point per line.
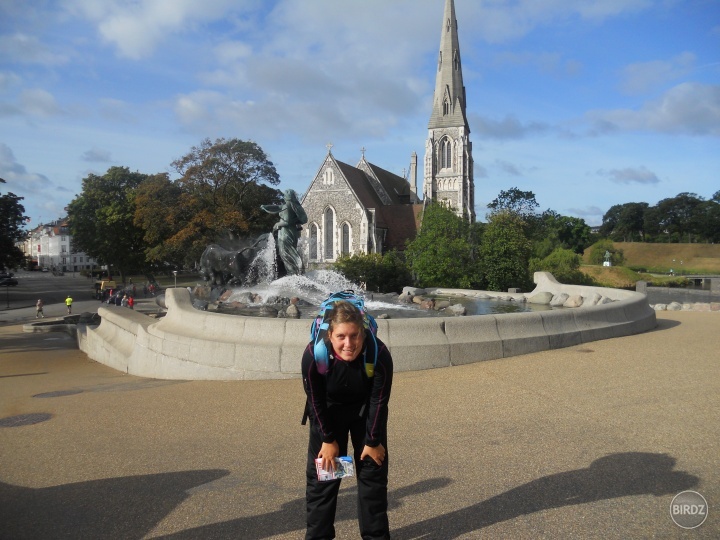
(192, 344)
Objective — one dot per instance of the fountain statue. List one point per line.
(292, 218)
(220, 266)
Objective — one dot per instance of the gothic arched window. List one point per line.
(314, 242)
(345, 247)
(446, 153)
(329, 233)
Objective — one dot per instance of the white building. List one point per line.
(50, 246)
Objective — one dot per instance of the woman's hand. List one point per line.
(376, 453)
(328, 453)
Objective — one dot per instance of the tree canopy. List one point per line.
(101, 219)
(505, 252)
(443, 254)
(217, 199)
(12, 221)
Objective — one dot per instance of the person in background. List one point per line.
(68, 303)
(39, 307)
(131, 302)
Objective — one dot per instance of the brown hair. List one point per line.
(345, 312)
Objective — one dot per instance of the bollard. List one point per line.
(641, 287)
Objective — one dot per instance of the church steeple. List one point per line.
(448, 150)
(449, 99)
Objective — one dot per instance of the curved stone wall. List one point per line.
(192, 344)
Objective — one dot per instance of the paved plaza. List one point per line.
(592, 441)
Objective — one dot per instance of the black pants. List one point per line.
(372, 480)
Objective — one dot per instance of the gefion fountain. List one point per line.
(188, 343)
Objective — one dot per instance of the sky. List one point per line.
(586, 103)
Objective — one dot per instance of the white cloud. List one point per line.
(688, 109)
(96, 155)
(507, 128)
(18, 179)
(136, 28)
(630, 175)
(640, 77)
(23, 48)
(38, 102)
(501, 21)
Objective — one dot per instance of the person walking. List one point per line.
(131, 302)
(39, 309)
(68, 303)
(347, 399)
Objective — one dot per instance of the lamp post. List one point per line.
(175, 274)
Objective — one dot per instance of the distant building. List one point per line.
(50, 246)
(367, 209)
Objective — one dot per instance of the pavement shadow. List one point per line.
(609, 477)
(127, 507)
(290, 517)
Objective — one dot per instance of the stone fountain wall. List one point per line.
(192, 344)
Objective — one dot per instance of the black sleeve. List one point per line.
(376, 431)
(315, 386)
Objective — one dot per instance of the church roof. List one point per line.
(400, 218)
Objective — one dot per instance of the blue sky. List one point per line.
(586, 103)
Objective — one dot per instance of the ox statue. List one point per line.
(220, 266)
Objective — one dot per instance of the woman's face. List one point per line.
(347, 341)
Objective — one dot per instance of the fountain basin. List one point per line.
(192, 344)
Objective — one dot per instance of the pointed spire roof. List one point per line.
(449, 98)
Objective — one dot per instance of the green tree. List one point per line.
(674, 219)
(563, 264)
(443, 254)
(625, 222)
(557, 231)
(12, 221)
(505, 252)
(382, 273)
(217, 199)
(101, 220)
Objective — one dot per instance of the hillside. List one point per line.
(696, 258)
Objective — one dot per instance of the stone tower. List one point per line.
(448, 174)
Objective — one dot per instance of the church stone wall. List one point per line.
(340, 198)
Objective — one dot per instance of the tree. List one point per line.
(625, 222)
(12, 222)
(505, 252)
(217, 199)
(557, 231)
(443, 252)
(674, 218)
(522, 203)
(101, 219)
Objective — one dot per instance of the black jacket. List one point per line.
(346, 389)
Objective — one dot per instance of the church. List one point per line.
(367, 209)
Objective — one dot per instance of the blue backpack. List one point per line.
(321, 324)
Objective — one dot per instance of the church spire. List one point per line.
(448, 167)
(449, 98)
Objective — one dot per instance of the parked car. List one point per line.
(8, 282)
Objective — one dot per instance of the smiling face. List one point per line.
(346, 340)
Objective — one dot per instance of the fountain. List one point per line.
(190, 343)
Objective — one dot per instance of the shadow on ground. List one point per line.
(612, 476)
(128, 507)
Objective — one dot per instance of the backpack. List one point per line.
(321, 324)
(319, 329)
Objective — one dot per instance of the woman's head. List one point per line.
(346, 331)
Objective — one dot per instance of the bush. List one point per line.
(380, 273)
(564, 264)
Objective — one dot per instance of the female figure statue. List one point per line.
(292, 218)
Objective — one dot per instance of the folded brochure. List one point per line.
(344, 466)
